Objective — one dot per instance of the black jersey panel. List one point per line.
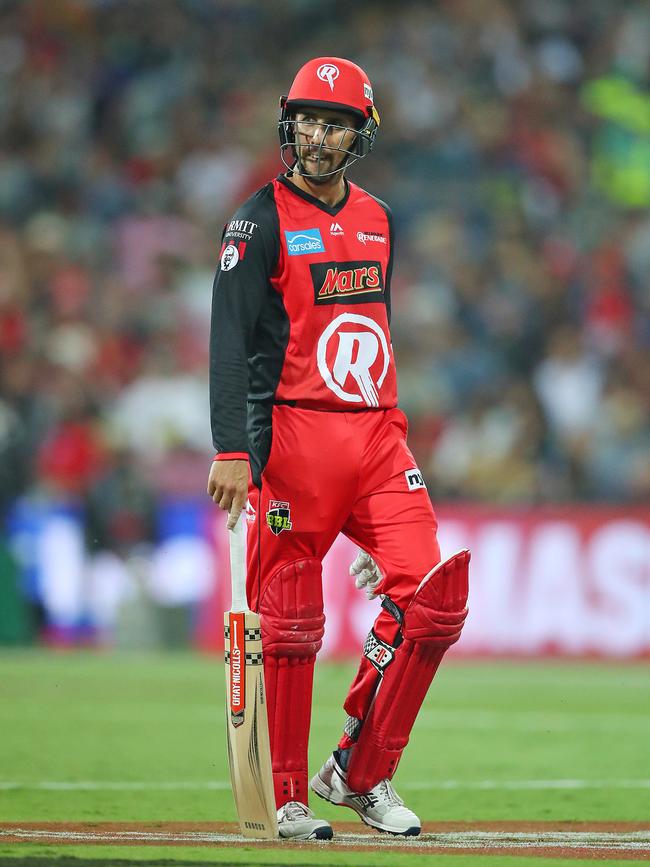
(242, 299)
(265, 369)
(391, 237)
(260, 437)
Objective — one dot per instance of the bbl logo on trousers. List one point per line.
(278, 517)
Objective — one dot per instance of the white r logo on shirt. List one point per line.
(361, 354)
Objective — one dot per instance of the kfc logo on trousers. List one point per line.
(353, 361)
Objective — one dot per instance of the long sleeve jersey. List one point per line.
(300, 310)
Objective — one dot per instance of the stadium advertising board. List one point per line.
(571, 581)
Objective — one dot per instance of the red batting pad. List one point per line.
(428, 632)
(292, 620)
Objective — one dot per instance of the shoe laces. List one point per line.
(294, 810)
(389, 795)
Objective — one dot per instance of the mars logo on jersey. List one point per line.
(353, 358)
(278, 517)
(354, 282)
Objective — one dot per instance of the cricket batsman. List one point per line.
(303, 405)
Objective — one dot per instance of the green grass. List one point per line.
(484, 730)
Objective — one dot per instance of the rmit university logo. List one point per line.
(329, 73)
(278, 517)
(349, 282)
(353, 357)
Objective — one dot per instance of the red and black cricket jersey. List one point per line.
(300, 311)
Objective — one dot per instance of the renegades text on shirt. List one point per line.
(300, 311)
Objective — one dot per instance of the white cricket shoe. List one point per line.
(296, 821)
(381, 807)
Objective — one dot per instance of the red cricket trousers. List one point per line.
(332, 472)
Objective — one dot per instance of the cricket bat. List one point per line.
(247, 727)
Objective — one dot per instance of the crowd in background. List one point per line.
(514, 150)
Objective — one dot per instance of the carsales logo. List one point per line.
(353, 358)
(329, 73)
(307, 241)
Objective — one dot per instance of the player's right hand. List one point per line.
(228, 487)
(367, 574)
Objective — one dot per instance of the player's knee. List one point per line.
(291, 610)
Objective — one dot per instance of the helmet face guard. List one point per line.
(332, 140)
(321, 85)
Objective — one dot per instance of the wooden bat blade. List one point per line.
(249, 750)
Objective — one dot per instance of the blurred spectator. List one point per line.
(72, 452)
(568, 383)
(12, 457)
(161, 409)
(120, 507)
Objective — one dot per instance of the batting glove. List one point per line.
(367, 574)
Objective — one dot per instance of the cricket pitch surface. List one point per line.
(593, 840)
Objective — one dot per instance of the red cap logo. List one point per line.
(329, 73)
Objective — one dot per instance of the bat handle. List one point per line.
(237, 538)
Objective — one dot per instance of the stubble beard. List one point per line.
(319, 180)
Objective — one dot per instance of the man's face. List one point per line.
(322, 137)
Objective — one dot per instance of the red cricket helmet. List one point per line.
(331, 83)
